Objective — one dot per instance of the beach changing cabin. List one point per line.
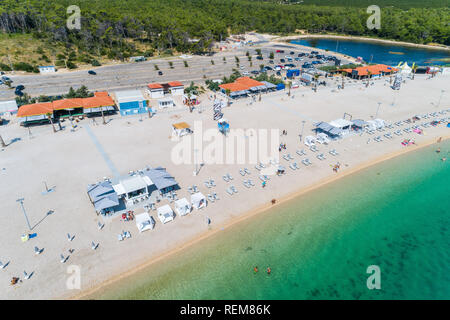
(198, 200)
(144, 222)
(165, 214)
(182, 207)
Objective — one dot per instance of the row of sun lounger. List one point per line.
(333, 152)
(288, 157)
(306, 162)
(244, 171)
(213, 197)
(227, 177)
(294, 166)
(231, 190)
(210, 183)
(264, 178)
(321, 156)
(248, 183)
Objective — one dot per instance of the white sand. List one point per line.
(70, 161)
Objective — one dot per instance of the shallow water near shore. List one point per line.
(395, 215)
(376, 52)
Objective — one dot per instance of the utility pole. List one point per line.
(303, 126)
(442, 93)
(24, 212)
(378, 108)
(2, 142)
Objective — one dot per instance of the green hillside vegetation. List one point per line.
(35, 32)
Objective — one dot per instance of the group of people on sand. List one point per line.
(255, 269)
(282, 147)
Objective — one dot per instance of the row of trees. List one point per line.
(193, 25)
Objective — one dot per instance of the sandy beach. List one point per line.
(68, 161)
(349, 37)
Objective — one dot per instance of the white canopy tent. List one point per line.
(144, 222)
(165, 214)
(198, 200)
(322, 138)
(182, 207)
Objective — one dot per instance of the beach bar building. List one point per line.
(335, 129)
(242, 87)
(100, 102)
(131, 102)
(176, 88)
(35, 113)
(103, 197)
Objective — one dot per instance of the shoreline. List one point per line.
(349, 37)
(249, 214)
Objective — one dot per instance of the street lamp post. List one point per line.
(24, 212)
(303, 126)
(442, 93)
(378, 108)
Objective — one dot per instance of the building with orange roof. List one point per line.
(176, 88)
(376, 70)
(155, 90)
(242, 87)
(38, 112)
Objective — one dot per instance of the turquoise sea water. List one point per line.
(379, 52)
(395, 215)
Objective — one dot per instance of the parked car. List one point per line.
(292, 52)
(259, 58)
(245, 73)
(254, 72)
(18, 93)
(271, 61)
(20, 87)
(314, 52)
(267, 68)
(92, 72)
(160, 73)
(282, 60)
(301, 54)
(278, 73)
(280, 51)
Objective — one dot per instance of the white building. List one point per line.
(8, 106)
(155, 90)
(165, 103)
(133, 189)
(176, 88)
(47, 69)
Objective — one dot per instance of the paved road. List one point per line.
(138, 75)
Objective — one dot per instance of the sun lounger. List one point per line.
(242, 172)
(216, 197)
(261, 178)
(301, 152)
(257, 167)
(234, 189)
(225, 178)
(229, 191)
(246, 184)
(229, 176)
(210, 197)
(247, 171)
(212, 182)
(262, 165)
(285, 157)
(291, 165)
(207, 184)
(250, 182)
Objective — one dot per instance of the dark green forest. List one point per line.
(115, 28)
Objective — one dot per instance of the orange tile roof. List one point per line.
(375, 69)
(175, 84)
(243, 83)
(48, 107)
(101, 94)
(155, 86)
(95, 102)
(67, 104)
(35, 109)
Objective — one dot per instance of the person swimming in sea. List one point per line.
(255, 269)
(438, 150)
(269, 271)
